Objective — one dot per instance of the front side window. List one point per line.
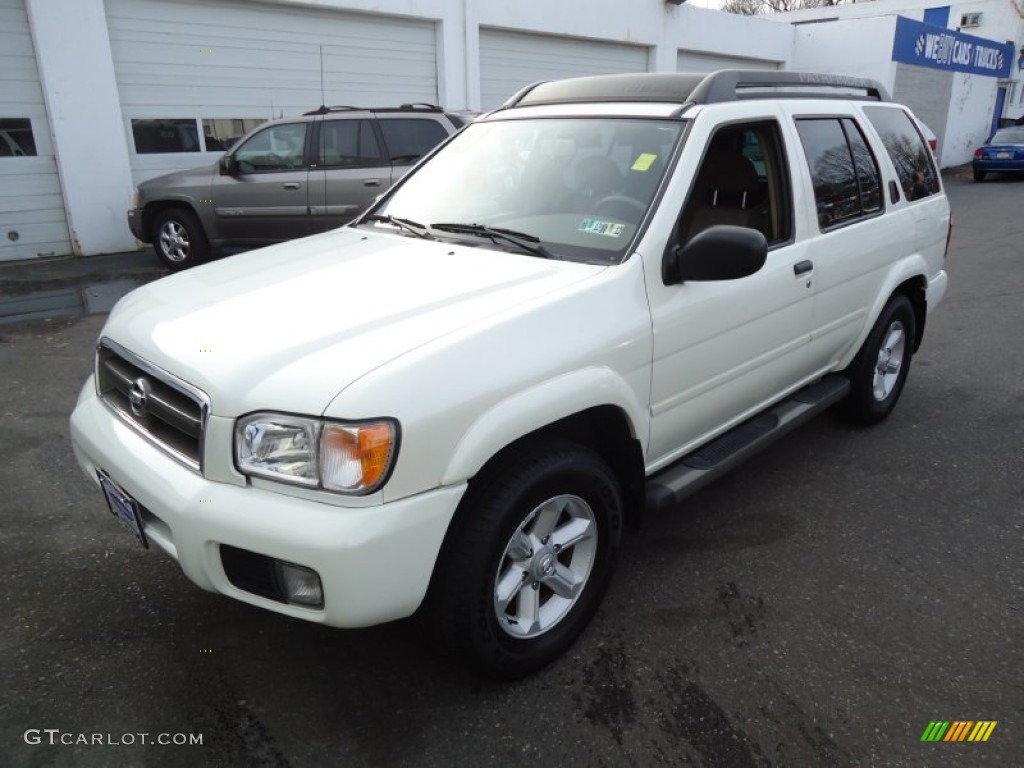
(843, 171)
(276, 148)
(906, 147)
(409, 139)
(349, 144)
(741, 182)
(165, 135)
(580, 187)
(16, 139)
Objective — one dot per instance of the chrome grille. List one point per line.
(157, 404)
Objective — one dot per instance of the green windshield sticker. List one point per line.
(644, 162)
(598, 227)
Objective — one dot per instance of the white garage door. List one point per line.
(510, 60)
(32, 218)
(692, 61)
(182, 65)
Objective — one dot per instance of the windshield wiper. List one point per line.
(522, 240)
(407, 225)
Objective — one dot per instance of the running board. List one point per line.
(668, 487)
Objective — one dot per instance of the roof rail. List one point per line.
(689, 88)
(323, 110)
(735, 84)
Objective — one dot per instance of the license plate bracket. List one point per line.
(123, 507)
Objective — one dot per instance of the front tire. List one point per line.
(179, 239)
(529, 566)
(879, 371)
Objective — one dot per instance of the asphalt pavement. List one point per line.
(818, 607)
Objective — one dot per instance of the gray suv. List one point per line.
(286, 179)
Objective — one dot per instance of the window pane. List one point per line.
(157, 136)
(222, 133)
(867, 170)
(277, 148)
(16, 139)
(907, 150)
(832, 174)
(409, 139)
(740, 183)
(349, 144)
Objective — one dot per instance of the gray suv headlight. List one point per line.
(350, 457)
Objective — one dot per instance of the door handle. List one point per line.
(291, 185)
(803, 266)
(371, 182)
(894, 192)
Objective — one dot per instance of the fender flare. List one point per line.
(908, 268)
(538, 406)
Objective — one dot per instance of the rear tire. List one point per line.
(980, 175)
(529, 565)
(178, 239)
(879, 371)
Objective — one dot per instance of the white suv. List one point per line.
(590, 302)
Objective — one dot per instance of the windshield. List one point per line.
(574, 188)
(1008, 136)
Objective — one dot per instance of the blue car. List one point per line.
(1003, 153)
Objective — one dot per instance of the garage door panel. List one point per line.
(31, 203)
(511, 60)
(221, 49)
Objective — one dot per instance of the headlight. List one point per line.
(348, 457)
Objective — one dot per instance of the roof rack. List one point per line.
(323, 110)
(414, 107)
(686, 88)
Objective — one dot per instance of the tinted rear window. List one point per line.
(907, 149)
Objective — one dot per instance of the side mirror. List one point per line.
(721, 252)
(227, 166)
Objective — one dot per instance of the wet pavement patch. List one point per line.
(81, 300)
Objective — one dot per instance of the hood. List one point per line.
(185, 178)
(290, 326)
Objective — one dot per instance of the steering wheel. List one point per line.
(612, 205)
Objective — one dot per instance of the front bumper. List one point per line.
(135, 224)
(374, 562)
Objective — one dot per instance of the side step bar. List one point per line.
(668, 487)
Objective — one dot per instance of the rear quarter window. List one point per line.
(907, 149)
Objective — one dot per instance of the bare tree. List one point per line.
(760, 7)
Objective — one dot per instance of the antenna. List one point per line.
(323, 99)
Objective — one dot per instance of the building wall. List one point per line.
(92, 96)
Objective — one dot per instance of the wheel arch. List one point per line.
(156, 207)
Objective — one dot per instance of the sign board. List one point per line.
(940, 48)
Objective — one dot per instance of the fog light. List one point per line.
(301, 585)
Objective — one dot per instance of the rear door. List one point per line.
(350, 170)
(266, 197)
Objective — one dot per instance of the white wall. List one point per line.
(85, 119)
(970, 117)
(860, 48)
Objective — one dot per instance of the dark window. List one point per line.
(907, 149)
(843, 171)
(222, 133)
(409, 139)
(349, 144)
(279, 147)
(864, 163)
(157, 136)
(16, 139)
(742, 181)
